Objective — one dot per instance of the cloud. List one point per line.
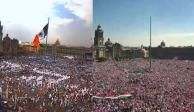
(64, 12)
(79, 37)
(18, 31)
(23, 19)
(81, 8)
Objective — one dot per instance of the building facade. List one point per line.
(109, 50)
(99, 48)
(27, 47)
(10, 46)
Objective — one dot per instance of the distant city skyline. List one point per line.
(70, 20)
(127, 21)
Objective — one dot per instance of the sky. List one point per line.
(70, 20)
(127, 21)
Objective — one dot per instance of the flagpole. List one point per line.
(47, 37)
(150, 43)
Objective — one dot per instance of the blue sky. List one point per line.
(70, 20)
(64, 12)
(127, 21)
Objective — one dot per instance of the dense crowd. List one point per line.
(45, 83)
(50, 84)
(168, 87)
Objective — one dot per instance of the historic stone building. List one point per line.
(105, 51)
(6, 45)
(14, 46)
(27, 48)
(99, 48)
(111, 50)
(61, 51)
(10, 46)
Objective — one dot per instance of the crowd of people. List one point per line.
(52, 84)
(168, 87)
(45, 84)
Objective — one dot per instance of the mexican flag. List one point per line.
(44, 32)
(43, 45)
(36, 41)
(111, 97)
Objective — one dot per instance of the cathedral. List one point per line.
(107, 50)
(112, 51)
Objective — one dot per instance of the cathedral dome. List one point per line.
(108, 43)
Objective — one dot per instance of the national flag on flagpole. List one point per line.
(44, 32)
(36, 41)
(41, 35)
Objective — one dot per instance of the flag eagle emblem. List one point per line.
(44, 32)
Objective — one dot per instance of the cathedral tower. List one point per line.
(98, 39)
(99, 48)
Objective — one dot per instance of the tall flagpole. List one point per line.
(150, 43)
(47, 37)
